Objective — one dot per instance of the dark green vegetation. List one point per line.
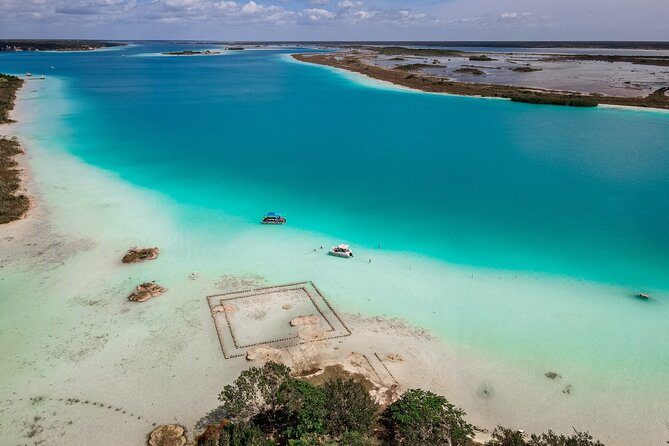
(267, 406)
(538, 98)
(54, 45)
(189, 53)
(8, 88)
(416, 66)
(469, 70)
(421, 417)
(481, 58)
(508, 437)
(12, 205)
(525, 69)
(403, 51)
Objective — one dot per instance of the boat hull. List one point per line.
(345, 255)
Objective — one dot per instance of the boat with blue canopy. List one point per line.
(273, 218)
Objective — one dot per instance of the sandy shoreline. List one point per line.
(82, 356)
(426, 84)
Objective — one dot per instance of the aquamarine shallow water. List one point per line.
(582, 193)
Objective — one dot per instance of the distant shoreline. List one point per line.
(21, 45)
(355, 63)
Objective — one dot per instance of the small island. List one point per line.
(470, 70)
(191, 53)
(525, 69)
(481, 58)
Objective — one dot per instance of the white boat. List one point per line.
(341, 251)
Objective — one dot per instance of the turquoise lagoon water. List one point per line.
(583, 193)
(554, 194)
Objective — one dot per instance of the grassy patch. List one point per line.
(525, 69)
(468, 70)
(481, 58)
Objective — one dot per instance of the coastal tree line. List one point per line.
(267, 406)
(12, 203)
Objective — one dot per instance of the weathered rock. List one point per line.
(552, 375)
(311, 332)
(135, 254)
(146, 291)
(167, 435)
(287, 306)
(305, 320)
(227, 308)
(264, 353)
(394, 357)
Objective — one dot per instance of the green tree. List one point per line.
(303, 406)
(352, 439)
(422, 418)
(502, 436)
(349, 407)
(305, 440)
(550, 438)
(243, 434)
(254, 392)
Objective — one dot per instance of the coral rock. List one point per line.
(145, 292)
(135, 254)
(167, 435)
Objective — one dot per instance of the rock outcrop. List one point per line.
(135, 254)
(167, 435)
(146, 291)
(264, 353)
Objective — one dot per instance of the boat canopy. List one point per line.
(343, 246)
(273, 214)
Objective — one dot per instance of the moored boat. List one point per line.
(341, 251)
(643, 295)
(273, 218)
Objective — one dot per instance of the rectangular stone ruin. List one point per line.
(246, 319)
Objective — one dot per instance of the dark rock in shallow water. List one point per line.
(552, 375)
(135, 254)
(146, 291)
(167, 435)
(485, 391)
